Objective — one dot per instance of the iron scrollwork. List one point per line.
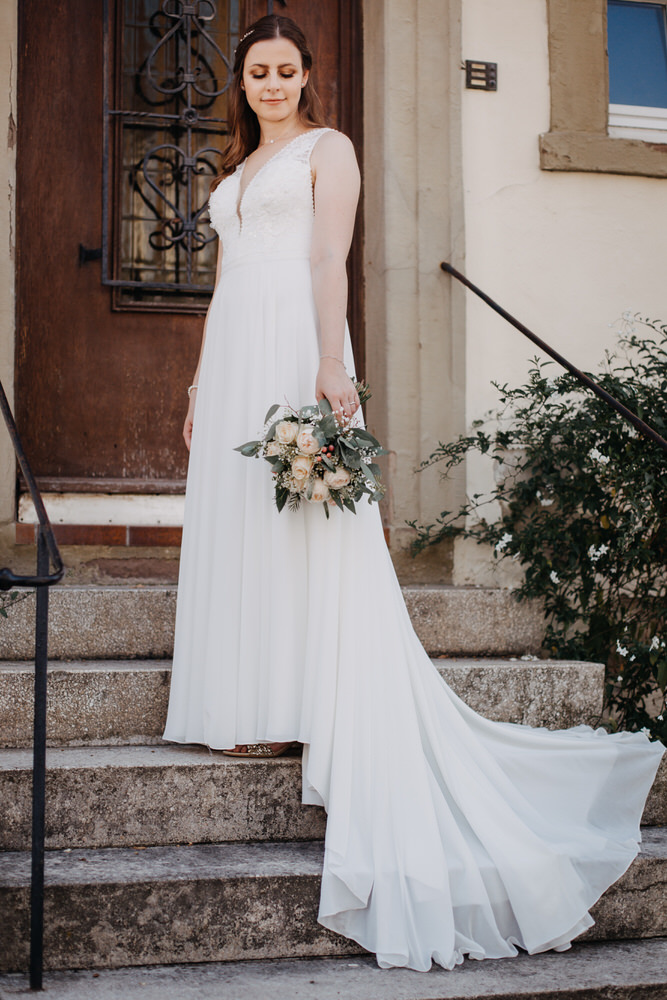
(172, 75)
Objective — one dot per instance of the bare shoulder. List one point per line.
(334, 150)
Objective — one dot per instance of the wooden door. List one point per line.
(102, 369)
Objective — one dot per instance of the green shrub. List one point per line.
(583, 509)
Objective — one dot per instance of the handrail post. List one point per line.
(39, 771)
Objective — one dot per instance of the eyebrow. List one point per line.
(266, 66)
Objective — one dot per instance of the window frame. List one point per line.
(579, 138)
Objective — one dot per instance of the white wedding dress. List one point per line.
(447, 835)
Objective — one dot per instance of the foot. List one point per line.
(259, 749)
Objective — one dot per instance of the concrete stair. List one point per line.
(93, 622)
(117, 702)
(115, 907)
(128, 796)
(609, 970)
(160, 855)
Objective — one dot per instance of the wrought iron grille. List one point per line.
(167, 72)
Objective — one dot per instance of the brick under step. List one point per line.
(600, 970)
(95, 622)
(124, 796)
(225, 902)
(125, 701)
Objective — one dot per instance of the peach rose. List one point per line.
(320, 491)
(301, 467)
(286, 431)
(336, 480)
(273, 448)
(306, 442)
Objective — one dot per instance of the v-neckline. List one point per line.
(243, 192)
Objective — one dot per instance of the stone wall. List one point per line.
(413, 203)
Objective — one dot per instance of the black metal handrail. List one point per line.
(48, 555)
(582, 377)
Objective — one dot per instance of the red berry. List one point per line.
(331, 447)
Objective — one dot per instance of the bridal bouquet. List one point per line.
(316, 457)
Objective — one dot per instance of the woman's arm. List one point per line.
(336, 194)
(187, 426)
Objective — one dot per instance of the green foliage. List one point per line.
(583, 508)
(9, 598)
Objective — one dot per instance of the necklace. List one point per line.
(280, 138)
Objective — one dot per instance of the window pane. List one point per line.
(167, 121)
(637, 54)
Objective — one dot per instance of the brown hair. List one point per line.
(243, 124)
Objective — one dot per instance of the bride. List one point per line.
(447, 834)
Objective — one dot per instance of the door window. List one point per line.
(167, 75)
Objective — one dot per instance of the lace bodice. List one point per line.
(275, 216)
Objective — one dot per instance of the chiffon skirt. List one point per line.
(447, 834)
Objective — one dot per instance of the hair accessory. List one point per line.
(246, 35)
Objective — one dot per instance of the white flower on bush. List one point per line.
(320, 491)
(554, 577)
(656, 643)
(544, 501)
(286, 431)
(645, 731)
(301, 467)
(338, 479)
(595, 554)
(621, 650)
(273, 448)
(597, 456)
(504, 542)
(306, 442)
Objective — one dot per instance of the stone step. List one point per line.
(597, 970)
(125, 701)
(119, 907)
(127, 796)
(95, 622)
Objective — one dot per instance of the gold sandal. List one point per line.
(261, 750)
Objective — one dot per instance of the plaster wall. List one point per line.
(7, 244)
(567, 253)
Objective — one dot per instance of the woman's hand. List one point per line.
(187, 426)
(335, 384)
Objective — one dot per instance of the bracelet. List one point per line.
(333, 358)
(190, 388)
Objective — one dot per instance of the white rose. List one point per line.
(286, 431)
(306, 442)
(296, 485)
(301, 467)
(336, 480)
(320, 491)
(273, 448)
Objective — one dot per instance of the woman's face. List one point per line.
(273, 78)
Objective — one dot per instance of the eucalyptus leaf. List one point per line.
(366, 436)
(249, 449)
(269, 413)
(335, 496)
